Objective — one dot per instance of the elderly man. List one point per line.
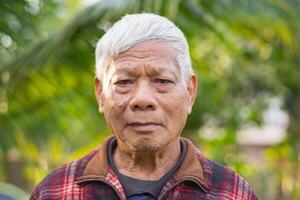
(145, 88)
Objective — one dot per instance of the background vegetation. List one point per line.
(245, 52)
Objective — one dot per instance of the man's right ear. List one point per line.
(99, 93)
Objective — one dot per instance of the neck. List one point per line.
(146, 165)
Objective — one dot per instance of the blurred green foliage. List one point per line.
(244, 52)
(12, 191)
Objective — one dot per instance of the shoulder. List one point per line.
(61, 180)
(224, 181)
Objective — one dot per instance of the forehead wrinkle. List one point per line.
(153, 68)
(140, 54)
(158, 70)
(133, 62)
(127, 70)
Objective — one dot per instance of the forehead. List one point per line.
(155, 56)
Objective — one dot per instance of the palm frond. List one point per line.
(38, 54)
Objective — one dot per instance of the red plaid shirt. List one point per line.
(93, 178)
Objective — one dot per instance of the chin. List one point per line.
(143, 147)
(144, 144)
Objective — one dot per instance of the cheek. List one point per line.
(177, 107)
(178, 100)
(116, 105)
(114, 109)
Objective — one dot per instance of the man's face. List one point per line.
(147, 100)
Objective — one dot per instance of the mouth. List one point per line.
(143, 126)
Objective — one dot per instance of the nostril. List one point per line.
(151, 106)
(142, 105)
(135, 107)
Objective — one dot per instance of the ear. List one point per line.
(192, 91)
(99, 93)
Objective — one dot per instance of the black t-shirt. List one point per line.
(136, 189)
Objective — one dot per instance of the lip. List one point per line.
(144, 127)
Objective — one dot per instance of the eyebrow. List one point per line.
(134, 71)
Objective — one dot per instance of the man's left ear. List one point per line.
(192, 91)
(99, 93)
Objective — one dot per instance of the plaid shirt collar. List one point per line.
(98, 169)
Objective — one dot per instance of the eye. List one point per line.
(163, 81)
(124, 82)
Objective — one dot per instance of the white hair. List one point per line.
(134, 29)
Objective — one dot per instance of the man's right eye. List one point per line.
(124, 82)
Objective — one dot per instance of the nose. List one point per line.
(143, 98)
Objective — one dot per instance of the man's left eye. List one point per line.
(162, 81)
